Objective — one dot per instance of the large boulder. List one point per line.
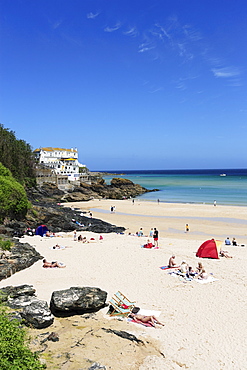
(37, 314)
(77, 300)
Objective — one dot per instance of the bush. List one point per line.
(14, 351)
(5, 245)
(13, 198)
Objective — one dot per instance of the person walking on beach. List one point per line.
(187, 228)
(156, 237)
(215, 203)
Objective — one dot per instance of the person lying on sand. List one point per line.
(225, 254)
(172, 262)
(57, 246)
(52, 264)
(146, 319)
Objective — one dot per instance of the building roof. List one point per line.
(50, 149)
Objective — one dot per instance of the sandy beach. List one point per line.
(205, 324)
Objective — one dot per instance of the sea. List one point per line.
(225, 186)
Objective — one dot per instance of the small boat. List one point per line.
(223, 174)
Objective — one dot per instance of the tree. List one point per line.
(13, 198)
(17, 156)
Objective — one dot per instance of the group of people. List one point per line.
(228, 242)
(154, 234)
(185, 270)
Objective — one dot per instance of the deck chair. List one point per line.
(122, 306)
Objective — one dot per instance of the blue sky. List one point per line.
(131, 84)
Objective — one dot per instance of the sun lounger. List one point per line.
(121, 305)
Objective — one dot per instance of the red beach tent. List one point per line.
(209, 249)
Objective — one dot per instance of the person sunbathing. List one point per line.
(172, 262)
(148, 245)
(199, 268)
(203, 275)
(146, 319)
(183, 268)
(225, 254)
(52, 264)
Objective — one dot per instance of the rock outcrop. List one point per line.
(28, 308)
(118, 189)
(37, 314)
(19, 257)
(77, 300)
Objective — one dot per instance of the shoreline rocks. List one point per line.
(19, 257)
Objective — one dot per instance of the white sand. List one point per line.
(205, 325)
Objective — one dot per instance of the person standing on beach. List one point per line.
(187, 228)
(156, 237)
(215, 203)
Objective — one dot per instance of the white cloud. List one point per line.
(145, 47)
(92, 15)
(112, 29)
(225, 72)
(131, 32)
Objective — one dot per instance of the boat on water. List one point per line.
(223, 174)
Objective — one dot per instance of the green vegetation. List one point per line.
(14, 351)
(17, 156)
(13, 198)
(5, 245)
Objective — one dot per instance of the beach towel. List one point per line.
(167, 267)
(145, 312)
(210, 279)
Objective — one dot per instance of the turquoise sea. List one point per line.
(227, 187)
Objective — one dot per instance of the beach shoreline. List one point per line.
(205, 221)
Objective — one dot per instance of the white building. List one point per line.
(60, 161)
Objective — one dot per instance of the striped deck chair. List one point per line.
(122, 306)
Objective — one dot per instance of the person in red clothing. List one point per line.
(156, 237)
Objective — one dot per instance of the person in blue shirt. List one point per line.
(227, 241)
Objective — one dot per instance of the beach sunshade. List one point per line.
(209, 249)
(121, 305)
(41, 230)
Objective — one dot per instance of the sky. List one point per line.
(132, 85)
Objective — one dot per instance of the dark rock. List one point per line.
(77, 300)
(21, 301)
(17, 291)
(52, 337)
(38, 315)
(21, 256)
(125, 335)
